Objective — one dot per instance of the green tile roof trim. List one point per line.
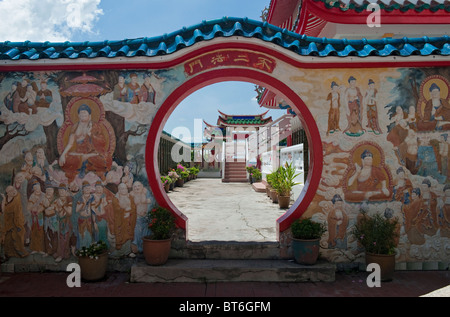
(225, 27)
(244, 121)
(403, 6)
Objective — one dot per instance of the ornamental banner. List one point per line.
(230, 58)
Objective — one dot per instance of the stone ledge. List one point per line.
(176, 270)
(259, 187)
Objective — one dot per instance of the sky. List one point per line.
(99, 20)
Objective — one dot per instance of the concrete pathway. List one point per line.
(116, 284)
(226, 211)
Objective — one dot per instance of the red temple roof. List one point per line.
(310, 16)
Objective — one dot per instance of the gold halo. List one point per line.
(442, 83)
(72, 109)
(376, 154)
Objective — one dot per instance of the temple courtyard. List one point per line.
(226, 211)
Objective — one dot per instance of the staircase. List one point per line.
(235, 172)
(228, 261)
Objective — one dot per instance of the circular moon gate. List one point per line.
(246, 75)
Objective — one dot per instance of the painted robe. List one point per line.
(147, 93)
(357, 191)
(372, 112)
(51, 228)
(413, 213)
(93, 143)
(63, 208)
(333, 113)
(14, 228)
(36, 205)
(124, 224)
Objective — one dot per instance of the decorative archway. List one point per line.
(246, 75)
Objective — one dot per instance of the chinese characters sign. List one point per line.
(230, 58)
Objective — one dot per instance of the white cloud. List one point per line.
(46, 20)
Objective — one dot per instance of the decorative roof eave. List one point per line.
(266, 97)
(226, 116)
(227, 27)
(242, 120)
(265, 122)
(209, 125)
(281, 12)
(393, 13)
(210, 129)
(397, 6)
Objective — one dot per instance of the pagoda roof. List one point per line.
(309, 17)
(396, 6)
(225, 120)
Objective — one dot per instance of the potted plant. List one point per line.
(285, 183)
(250, 169)
(306, 236)
(166, 181)
(377, 235)
(93, 261)
(255, 175)
(269, 179)
(182, 173)
(185, 175)
(174, 177)
(156, 246)
(194, 170)
(275, 179)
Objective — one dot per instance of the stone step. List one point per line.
(259, 187)
(235, 175)
(201, 271)
(226, 250)
(236, 169)
(235, 163)
(235, 180)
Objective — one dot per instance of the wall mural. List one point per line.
(72, 166)
(72, 159)
(386, 141)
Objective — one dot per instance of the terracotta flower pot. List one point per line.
(284, 201)
(386, 263)
(180, 182)
(156, 252)
(167, 187)
(274, 196)
(93, 269)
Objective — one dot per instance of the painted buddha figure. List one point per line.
(367, 182)
(86, 148)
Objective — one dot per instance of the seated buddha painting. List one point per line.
(86, 140)
(367, 178)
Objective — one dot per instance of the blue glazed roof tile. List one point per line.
(408, 50)
(445, 50)
(226, 27)
(429, 49)
(389, 50)
(368, 50)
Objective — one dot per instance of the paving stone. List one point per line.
(188, 270)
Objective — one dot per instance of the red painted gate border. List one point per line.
(245, 75)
